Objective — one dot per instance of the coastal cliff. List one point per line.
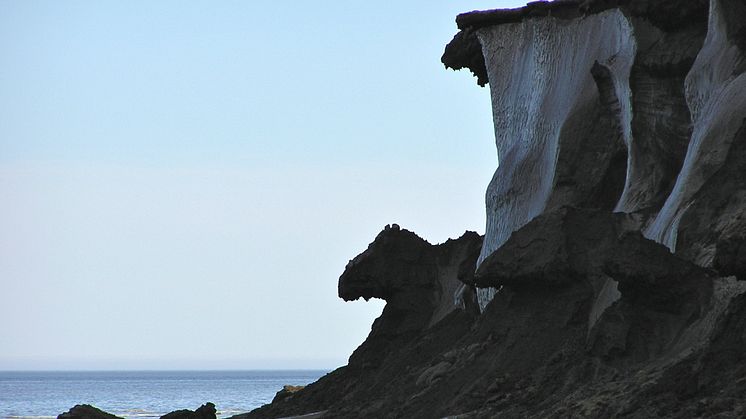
(611, 279)
(609, 282)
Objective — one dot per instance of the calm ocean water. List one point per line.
(141, 394)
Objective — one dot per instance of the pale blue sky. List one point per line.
(183, 182)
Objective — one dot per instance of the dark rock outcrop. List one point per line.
(420, 283)
(418, 280)
(570, 244)
(86, 411)
(286, 392)
(464, 51)
(557, 248)
(206, 411)
(421, 320)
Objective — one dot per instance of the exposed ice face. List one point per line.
(539, 72)
(717, 100)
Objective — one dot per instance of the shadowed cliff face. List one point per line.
(419, 281)
(712, 231)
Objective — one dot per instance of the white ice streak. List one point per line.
(717, 102)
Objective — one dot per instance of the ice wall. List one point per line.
(539, 73)
(641, 104)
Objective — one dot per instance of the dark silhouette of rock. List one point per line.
(464, 51)
(86, 411)
(206, 411)
(428, 308)
(413, 276)
(286, 392)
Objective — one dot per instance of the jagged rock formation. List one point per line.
(616, 231)
(433, 283)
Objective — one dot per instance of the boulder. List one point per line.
(206, 411)
(86, 411)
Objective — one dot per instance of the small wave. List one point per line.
(29, 417)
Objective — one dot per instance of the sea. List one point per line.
(141, 394)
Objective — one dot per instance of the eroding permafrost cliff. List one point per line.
(545, 99)
(589, 110)
(610, 277)
(671, 76)
(544, 96)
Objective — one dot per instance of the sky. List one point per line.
(183, 182)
